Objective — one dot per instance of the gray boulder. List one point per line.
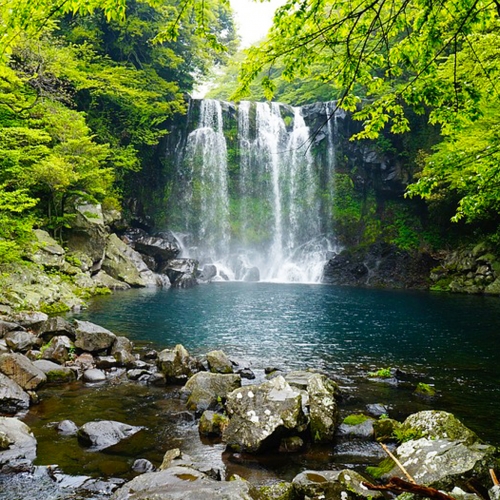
(92, 338)
(177, 365)
(48, 253)
(317, 484)
(125, 264)
(12, 397)
(161, 248)
(21, 452)
(182, 483)
(208, 272)
(94, 375)
(67, 428)
(141, 465)
(56, 326)
(262, 414)
(8, 326)
(122, 351)
(55, 373)
(105, 433)
(251, 274)
(30, 319)
(218, 362)
(181, 272)
(362, 430)
(204, 390)
(58, 349)
(21, 340)
(323, 410)
(20, 369)
(103, 279)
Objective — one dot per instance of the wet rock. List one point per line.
(181, 272)
(251, 274)
(83, 362)
(105, 362)
(55, 373)
(208, 272)
(352, 486)
(317, 484)
(94, 375)
(377, 410)
(137, 373)
(157, 379)
(20, 369)
(323, 410)
(205, 390)
(182, 483)
(125, 264)
(12, 397)
(260, 415)
(67, 428)
(58, 349)
(21, 340)
(384, 429)
(277, 491)
(177, 365)
(162, 248)
(218, 362)
(357, 430)
(56, 326)
(21, 452)
(105, 433)
(212, 424)
(91, 337)
(141, 465)
(494, 493)
(122, 351)
(169, 457)
(245, 373)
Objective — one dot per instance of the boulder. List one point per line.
(177, 365)
(125, 264)
(91, 337)
(277, 491)
(20, 369)
(58, 349)
(182, 483)
(94, 376)
(48, 253)
(21, 452)
(161, 247)
(323, 410)
(56, 326)
(55, 373)
(208, 272)
(212, 424)
(260, 415)
(88, 233)
(357, 430)
(141, 465)
(318, 484)
(105, 433)
(30, 319)
(218, 362)
(181, 272)
(205, 390)
(67, 428)
(251, 274)
(20, 340)
(12, 397)
(103, 279)
(8, 326)
(122, 351)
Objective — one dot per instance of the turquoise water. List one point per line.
(451, 341)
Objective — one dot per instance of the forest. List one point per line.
(89, 90)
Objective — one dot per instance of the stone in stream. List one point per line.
(56, 326)
(177, 365)
(55, 373)
(122, 351)
(206, 390)
(91, 337)
(182, 483)
(218, 362)
(12, 397)
(58, 349)
(260, 415)
(105, 433)
(212, 423)
(20, 369)
(181, 272)
(94, 375)
(67, 428)
(21, 450)
(141, 465)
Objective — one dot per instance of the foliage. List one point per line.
(355, 419)
(381, 373)
(403, 434)
(382, 468)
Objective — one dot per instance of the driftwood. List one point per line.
(494, 478)
(398, 463)
(398, 485)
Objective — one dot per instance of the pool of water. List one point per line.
(451, 341)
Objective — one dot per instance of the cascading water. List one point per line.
(255, 204)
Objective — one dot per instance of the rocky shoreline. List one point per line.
(282, 413)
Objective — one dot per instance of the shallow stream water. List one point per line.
(450, 341)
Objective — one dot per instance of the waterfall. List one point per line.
(254, 199)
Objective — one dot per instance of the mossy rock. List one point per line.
(425, 390)
(355, 419)
(277, 491)
(384, 429)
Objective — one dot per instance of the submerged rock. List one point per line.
(105, 433)
(260, 415)
(21, 450)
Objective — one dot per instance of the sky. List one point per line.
(253, 18)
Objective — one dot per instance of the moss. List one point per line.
(355, 419)
(382, 373)
(382, 468)
(403, 434)
(55, 308)
(425, 390)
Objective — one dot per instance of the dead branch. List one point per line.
(398, 485)
(398, 463)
